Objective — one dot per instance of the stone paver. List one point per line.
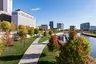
(33, 53)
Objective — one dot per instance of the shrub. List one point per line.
(50, 32)
(86, 45)
(5, 26)
(76, 50)
(1, 45)
(72, 34)
(36, 31)
(7, 38)
(53, 43)
(22, 32)
(13, 25)
(45, 33)
(31, 31)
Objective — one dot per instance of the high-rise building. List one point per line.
(60, 26)
(51, 24)
(19, 17)
(6, 5)
(85, 26)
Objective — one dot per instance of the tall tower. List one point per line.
(6, 5)
(51, 24)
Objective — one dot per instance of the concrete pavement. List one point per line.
(33, 53)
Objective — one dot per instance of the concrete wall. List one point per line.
(7, 6)
(1, 5)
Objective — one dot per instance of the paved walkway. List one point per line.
(33, 53)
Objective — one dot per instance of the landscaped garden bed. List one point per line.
(13, 54)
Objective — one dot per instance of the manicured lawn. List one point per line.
(13, 54)
(44, 38)
(47, 57)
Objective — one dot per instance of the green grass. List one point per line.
(47, 57)
(44, 38)
(13, 54)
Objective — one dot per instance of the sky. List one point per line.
(69, 12)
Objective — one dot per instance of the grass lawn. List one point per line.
(13, 54)
(47, 57)
(44, 38)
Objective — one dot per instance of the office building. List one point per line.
(60, 26)
(51, 24)
(6, 6)
(85, 26)
(44, 27)
(20, 17)
(92, 28)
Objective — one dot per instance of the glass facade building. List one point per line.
(85, 26)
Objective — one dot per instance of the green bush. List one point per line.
(75, 51)
(50, 32)
(22, 32)
(86, 45)
(45, 33)
(1, 45)
(53, 43)
(31, 31)
(36, 31)
(5, 26)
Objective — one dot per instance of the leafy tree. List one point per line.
(7, 38)
(1, 45)
(45, 33)
(72, 33)
(36, 31)
(86, 45)
(22, 32)
(75, 51)
(5, 26)
(53, 43)
(31, 31)
(13, 25)
(50, 32)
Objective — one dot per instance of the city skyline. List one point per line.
(69, 12)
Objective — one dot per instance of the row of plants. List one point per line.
(12, 51)
(46, 36)
(22, 31)
(76, 50)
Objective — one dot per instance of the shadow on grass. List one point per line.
(41, 62)
(43, 55)
(46, 62)
(16, 57)
(9, 58)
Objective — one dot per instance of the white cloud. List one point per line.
(35, 9)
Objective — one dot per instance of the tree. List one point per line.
(36, 31)
(50, 32)
(53, 43)
(22, 32)
(31, 31)
(13, 25)
(5, 26)
(76, 50)
(7, 38)
(45, 33)
(1, 45)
